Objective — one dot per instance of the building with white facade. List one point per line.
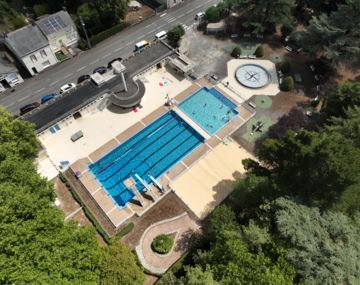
(60, 31)
(31, 48)
(169, 3)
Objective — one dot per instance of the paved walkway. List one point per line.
(182, 226)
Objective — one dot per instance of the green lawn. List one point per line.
(252, 137)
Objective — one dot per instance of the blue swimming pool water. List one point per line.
(151, 151)
(209, 109)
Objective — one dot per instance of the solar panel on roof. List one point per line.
(53, 24)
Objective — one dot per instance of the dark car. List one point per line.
(115, 59)
(49, 97)
(29, 107)
(100, 69)
(82, 78)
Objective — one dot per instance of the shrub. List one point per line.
(125, 230)
(108, 33)
(162, 243)
(18, 21)
(287, 84)
(285, 67)
(236, 52)
(40, 9)
(260, 51)
(82, 44)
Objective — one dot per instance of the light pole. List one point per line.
(84, 29)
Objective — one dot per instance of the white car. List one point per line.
(199, 16)
(67, 87)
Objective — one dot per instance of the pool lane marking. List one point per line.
(183, 163)
(97, 190)
(111, 210)
(209, 146)
(142, 123)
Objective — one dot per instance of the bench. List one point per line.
(76, 136)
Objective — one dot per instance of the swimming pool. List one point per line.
(151, 151)
(209, 109)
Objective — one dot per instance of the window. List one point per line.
(46, 63)
(43, 53)
(33, 58)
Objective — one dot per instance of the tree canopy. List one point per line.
(36, 246)
(259, 15)
(335, 35)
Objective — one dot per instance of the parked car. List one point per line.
(49, 97)
(199, 16)
(161, 35)
(29, 107)
(67, 87)
(82, 78)
(111, 61)
(100, 70)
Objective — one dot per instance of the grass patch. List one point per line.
(163, 243)
(88, 213)
(60, 56)
(252, 137)
(125, 230)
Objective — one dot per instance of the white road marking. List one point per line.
(81, 68)
(95, 61)
(117, 49)
(106, 55)
(67, 76)
(11, 104)
(198, 6)
(207, 1)
(139, 38)
(152, 31)
(162, 15)
(22, 99)
(149, 25)
(39, 90)
(53, 83)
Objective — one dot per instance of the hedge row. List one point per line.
(125, 230)
(87, 211)
(108, 33)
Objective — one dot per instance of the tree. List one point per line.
(216, 13)
(316, 167)
(36, 246)
(323, 247)
(17, 138)
(287, 84)
(90, 17)
(174, 35)
(40, 9)
(110, 11)
(118, 266)
(258, 15)
(285, 67)
(231, 262)
(346, 95)
(197, 276)
(335, 35)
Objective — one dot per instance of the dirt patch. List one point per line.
(134, 17)
(168, 207)
(71, 208)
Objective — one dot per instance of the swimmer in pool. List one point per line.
(205, 105)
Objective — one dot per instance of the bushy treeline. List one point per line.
(295, 218)
(36, 246)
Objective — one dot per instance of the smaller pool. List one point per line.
(209, 109)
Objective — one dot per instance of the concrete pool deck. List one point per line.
(82, 154)
(208, 182)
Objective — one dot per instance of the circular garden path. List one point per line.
(181, 226)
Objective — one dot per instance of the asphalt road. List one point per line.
(120, 45)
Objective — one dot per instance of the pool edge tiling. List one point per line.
(209, 109)
(144, 153)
